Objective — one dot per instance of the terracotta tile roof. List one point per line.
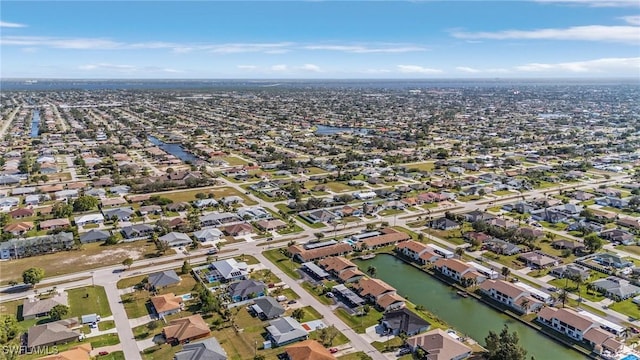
(166, 302)
(454, 265)
(186, 328)
(308, 350)
(567, 316)
(350, 273)
(504, 287)
(80, 352)
(439, 345)
(374, 287)
(388, 299)
(413, 246)
(389, 236)
(21, 226)
(336, 263)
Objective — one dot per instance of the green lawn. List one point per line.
(317, 293)
(340, 338)
(130, 281)
(116, 355)
(190, 195)
(359, 323)
(284, 263)
(422, 166)
(161, 352)
(572, 287)
(318, 225)
(390, 212)
(634, 249)
(338, 186)
(234, 160)
(627, 307)
(104, 340)
(88, 300)
(148, 330)
(106, 325)
(291, 229)
(136, 304)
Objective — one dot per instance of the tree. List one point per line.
(85, 203)
(4, 219)
(58, 312)
(328, 334)
(505, 272)
(592, 242)
(32, 276)
(186, 267)
(318, 235)
(504, 346)
(162, 246)
(127, 262)
(459, 252)
(62, 210)
(298, 314)
(563, 296)
(259, 357)
(8, 328)
(371, 270)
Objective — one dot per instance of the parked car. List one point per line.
(333, 350)
(103, 353)
(291, 302)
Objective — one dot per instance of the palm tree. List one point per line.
(579, 281)
(371, 270)
(563, 296)
(505, 272)
(525, 305)
(459, 252)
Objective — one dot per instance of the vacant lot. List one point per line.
(422, 166)
(86, 258)
(190, 195)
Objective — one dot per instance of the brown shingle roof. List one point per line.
(439, 345)
(389, 299)
(336, 263)
(453, 264)
(166, 302)
(390, 236)
(413, 246)
(186, 328)
(308, 350)
(374, 287)
(504, 287)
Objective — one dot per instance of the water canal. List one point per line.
(467, 315)
(35, 124)
(174, 149)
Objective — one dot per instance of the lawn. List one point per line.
(388, 345)
(338, 186)
(106, 325)
(315, 170)
(190, 195)
(423, 166)
(359, 323)
(340, 338)
(234, 160)
(116, 355)
(148, 330)
(627, 307)
(291, 229)
(390, 212)
(84, 259)
(130, 281)
(360, 355)
(316, 291)
(161, 352)
(571, 286)
(634, 249)
(104, 340)
(504, 192)
(136, 304)
(88, 300)
(284, 263)
(266, 276)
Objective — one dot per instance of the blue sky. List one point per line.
(320, 39)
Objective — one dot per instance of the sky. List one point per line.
(319, 39)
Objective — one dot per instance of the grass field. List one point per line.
(422, 166)
(359, 323)
(627, 307)
(88, 300)
(338, 186)
(234, 160)
(86, 258)
(190, 195)
(284, 263)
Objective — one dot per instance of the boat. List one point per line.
(463, 293)
(368, 256)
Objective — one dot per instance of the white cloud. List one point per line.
(4, 24)
(59, 43)
(360, 49)
(627, 34)
(417, 69)
(596, 3)
(310, 67)
(376, 71)
(127, 69)
(244, 48)
(605, 65)
(633, 20)
(280, 67)
(247, 67)
(467, 69)
(107, 66)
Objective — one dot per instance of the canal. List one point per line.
(35, 123)
(330, 130)
(174, 149)
(467, 315)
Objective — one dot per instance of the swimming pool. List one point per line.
(630, 357)
(186, 297)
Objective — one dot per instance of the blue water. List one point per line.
(630, 357)
(174, 149)
(186, 297)
(330, 130)
(35, 123)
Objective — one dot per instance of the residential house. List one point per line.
(271, 225)
(388, 237)
(347, 296)
(267, 308)
(15, 248)
(54, 224)
(616, 288)
(620, 236)
(94, 235)
(418, 252)
(444, 224)
(80, 352)
(112, 202)
(207, 349)
(137, 231)
(203, 203)
(167, 304)
(460, 272)
(539, 260)
(308, 350)
(176, 239)
(53, 333)
(33, 307)
(566, 321)
(238, 229)
(122, 214)
(217, 219)
(311, 252)
(21, 213)
(502, 247)
(150, 209)
(439, 345)
(208, 235)
(184, 330)
(380, 293)
(163, 279)
(89, 219)
(571, 271)
(613, 260)
(228, 270)
(628, 222)
(246, 289)
(342, 268)
(284, 331)
(403, 321)
(20, 228)
(478, 215)
(510, 295)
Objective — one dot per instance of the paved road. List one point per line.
(357, 341)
